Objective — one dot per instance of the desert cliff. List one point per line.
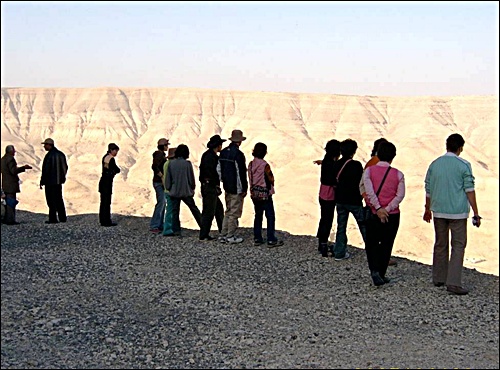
(294, 126)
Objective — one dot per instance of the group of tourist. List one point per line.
(344, 185)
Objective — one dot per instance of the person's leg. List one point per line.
(271, 220)
(357, 212)
(441, 251)
(341, 237)
(159, 211)
(167, 222)
(61, 209)
(219, 214)
(189, 201)
(209, 204)
(373, 227)
(51, 203)
(105, 209)
(387, 239)
(458, 244)
(233, 212)
(326, 220)
(225, 220)
(257, 220)
(176, 223)
(10, 212)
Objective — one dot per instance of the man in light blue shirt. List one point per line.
(449, 194)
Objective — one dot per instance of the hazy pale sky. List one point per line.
(355, 48)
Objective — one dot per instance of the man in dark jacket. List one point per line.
(109, 170)
(159, 159)
(10, 183)
(54, 170)
(210, 188)
(233, 171)
(348, 174)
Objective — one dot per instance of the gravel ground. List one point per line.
(77, 295)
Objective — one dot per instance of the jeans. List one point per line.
(159, 212)
(343, 211)
(10, 212)
(167, 222)
(176, 207)
(212, 206)
(261, 207)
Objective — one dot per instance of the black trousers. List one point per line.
(105, 209)
(326, 220)
(55, 202)
(212, 206)
(379, 242)
(10, 212)
(176, 207)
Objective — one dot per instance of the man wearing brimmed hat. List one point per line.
(159, 159)
(54, 170)
(233, 172)
(10, 183)
(210, 188)
(109, 170)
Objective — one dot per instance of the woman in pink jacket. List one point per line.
(385, 189)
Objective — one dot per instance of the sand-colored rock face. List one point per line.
(294, 126)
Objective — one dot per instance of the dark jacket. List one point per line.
(347, 188)
(208, 168)
(159, 159)
(233, 170)
(54, 168)
(327, 171)
(109, 170)
(10, 171)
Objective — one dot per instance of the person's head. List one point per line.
(259, 150)
(171, 153)
(386, 151)
(9, 149)
(215, 143)
(48, 144)
(376, 143)
(332, 148)
(113, 149)
(237, 137)
(454, 143)
(163, 144)
(182, 151)
(348, 148)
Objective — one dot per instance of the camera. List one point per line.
(475, 220)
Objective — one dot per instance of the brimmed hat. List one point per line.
(163, 141)
(48, 141)
(113, 146)
(215, 141)
(237, 135)
(171, 153)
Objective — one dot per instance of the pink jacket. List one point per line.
(393, 189)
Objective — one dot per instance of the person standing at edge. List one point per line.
(233, 172)
(10, 183)
(449, 194)
(210, 188)
(159, 159)
(348, 173)
(109, 170)
(54, 170)
(167, 222)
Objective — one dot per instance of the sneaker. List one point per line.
(275, 243)
(257, 242)
(346, 256)
(234, 240)
(222, 239)
(156, 231)
(207, 239)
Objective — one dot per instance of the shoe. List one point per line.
(221, 239)
(393, 262)
(234, 240)
(12, 223)
(324, 250)
(207, 239)
(257, 242)
(377, 279)
(458, 290)
(438, 284)
(156, 231)
(386, 279)
(51, 222)
(275, 243)
(110, 224)
(346, 256)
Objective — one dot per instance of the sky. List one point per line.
(352, 48)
